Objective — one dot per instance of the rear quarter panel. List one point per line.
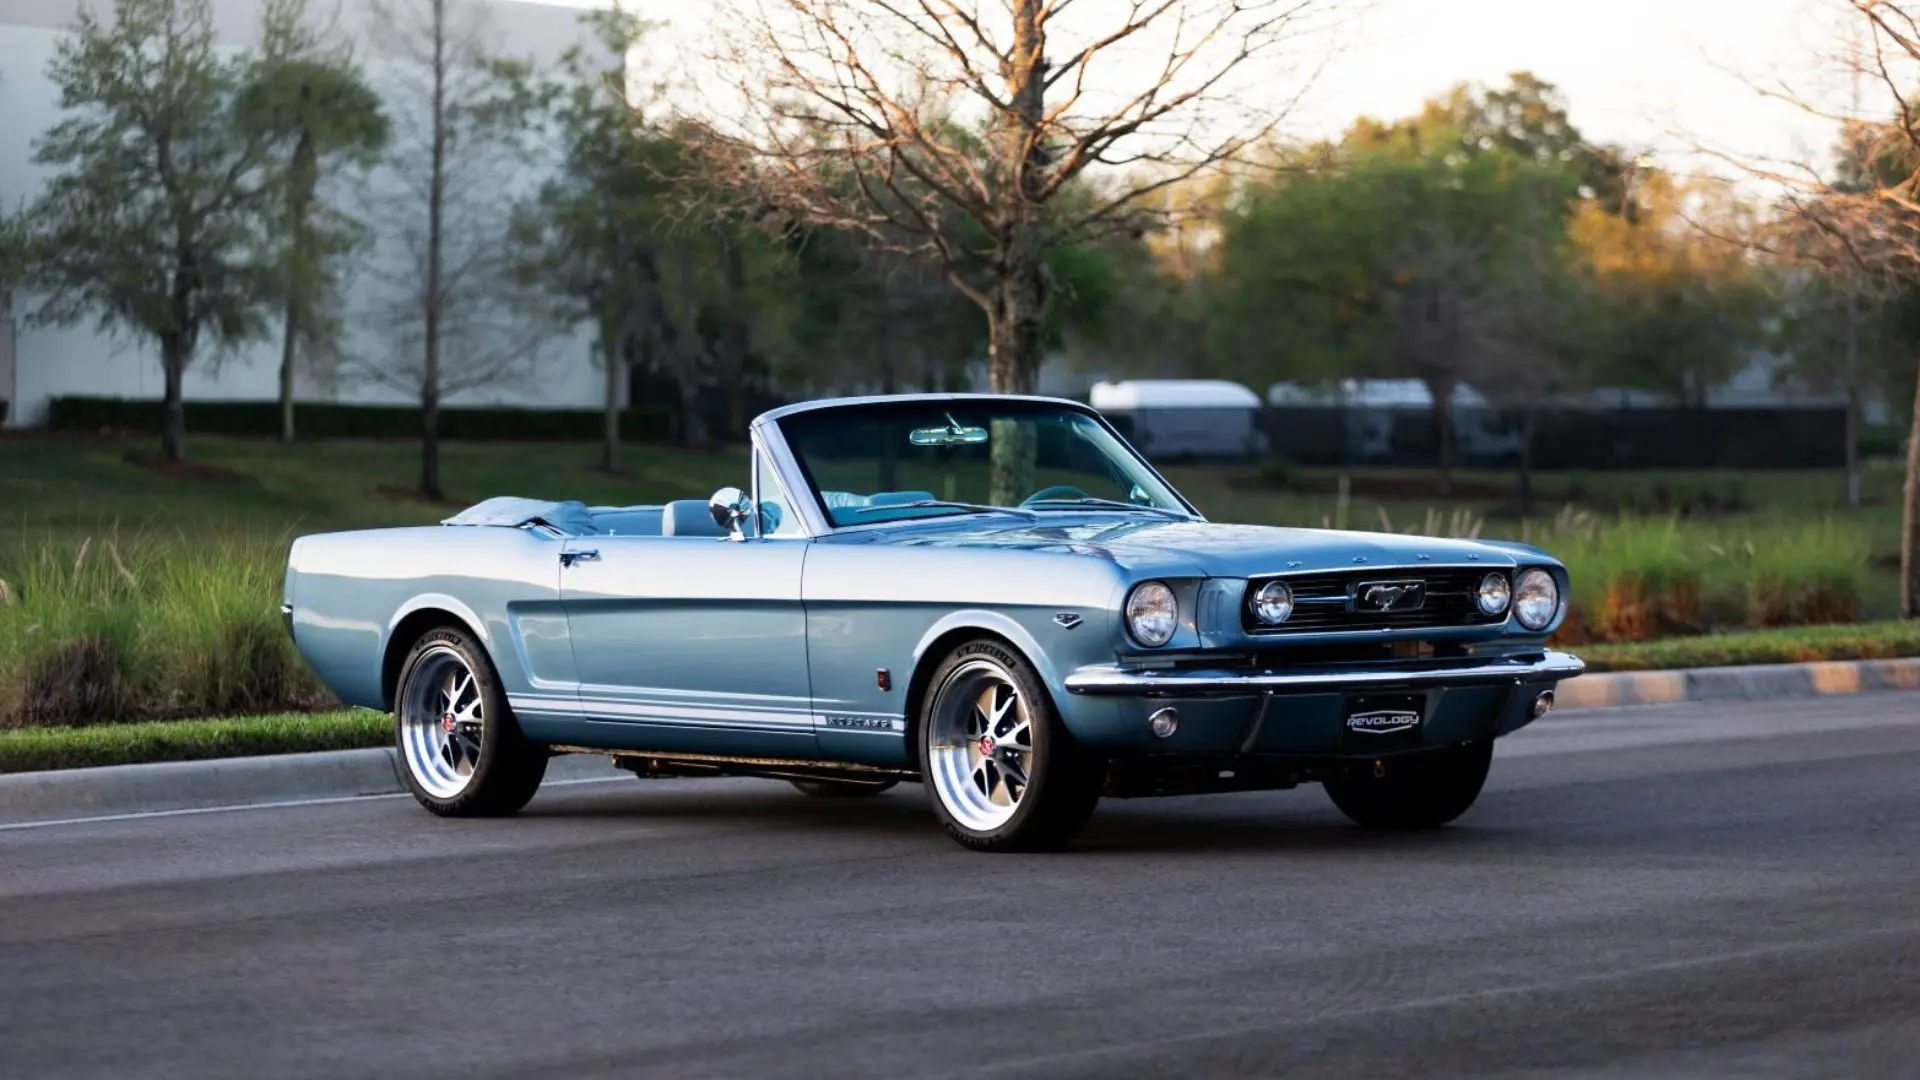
(350, 592)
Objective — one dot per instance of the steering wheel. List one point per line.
(1057, 491)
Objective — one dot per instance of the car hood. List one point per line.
(1205, 549)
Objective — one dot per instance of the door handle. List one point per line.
(568, 558)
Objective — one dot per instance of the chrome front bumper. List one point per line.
(1111, 680)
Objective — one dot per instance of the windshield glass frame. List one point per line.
(795, 420)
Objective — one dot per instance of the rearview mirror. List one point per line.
(951, 435)
(730, 507)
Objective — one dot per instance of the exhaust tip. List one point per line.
(1543, 704)
(1164, 722)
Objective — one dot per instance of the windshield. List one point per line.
(910, 459)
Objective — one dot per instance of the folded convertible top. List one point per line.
(512, 511)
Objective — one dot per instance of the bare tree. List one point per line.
(949, 130)
(1862, 219)
(456, 311)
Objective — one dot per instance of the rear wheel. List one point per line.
(1004, 772)
(841, 789)
(1412, 791)
(461, 751)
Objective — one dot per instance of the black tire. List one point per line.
(842, 789)
(1063, 778)
(1412, 791)
(508, 769)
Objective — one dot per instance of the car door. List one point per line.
(693, 643)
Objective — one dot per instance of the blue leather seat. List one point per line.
(629, 521)
(688, 517)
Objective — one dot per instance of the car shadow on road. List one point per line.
(1257, 822)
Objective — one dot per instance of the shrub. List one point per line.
(1637, 579)
(149, 626)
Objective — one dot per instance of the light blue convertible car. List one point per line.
(994, 595)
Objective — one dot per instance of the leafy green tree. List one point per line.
(1406, 259)
(308, 99)
(1686, 304)
(152, 220)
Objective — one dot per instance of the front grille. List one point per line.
(1327, 603)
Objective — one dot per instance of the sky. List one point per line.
(1655, 75)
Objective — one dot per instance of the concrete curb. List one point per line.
(175, 786)
(1606, 690)
(71, 794)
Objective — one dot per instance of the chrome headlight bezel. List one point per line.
(1272, 603)
(1155, 604)
(1495, 594)
(1536, 599)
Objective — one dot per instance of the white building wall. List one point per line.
(51, 362)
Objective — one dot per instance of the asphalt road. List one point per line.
(1691, 891)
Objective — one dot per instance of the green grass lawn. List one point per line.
(36, 749)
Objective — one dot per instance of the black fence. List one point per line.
(330, 421)
(1668, 438)
(1331, 437)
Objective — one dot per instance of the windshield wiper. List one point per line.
(1106, 504)
(972, 508)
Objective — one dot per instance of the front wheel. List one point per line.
(460, 750)
(1004, 772)
(1412, 791)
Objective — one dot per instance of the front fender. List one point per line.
(993, 622)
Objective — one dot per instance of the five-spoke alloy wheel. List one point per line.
(464, 754)
(1003, 771)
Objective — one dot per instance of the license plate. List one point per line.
(1384, 722)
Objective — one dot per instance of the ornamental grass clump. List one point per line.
(146, 626)
(1643, 579)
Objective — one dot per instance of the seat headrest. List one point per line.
(688, 517)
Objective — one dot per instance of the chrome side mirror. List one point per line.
(731, 507)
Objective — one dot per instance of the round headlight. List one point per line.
(1535, 599)
(1494, 594)
(1273, 602)
(1152, 614)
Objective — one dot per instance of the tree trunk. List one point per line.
(304, 177)
(1910, 521)
(883, 348)
(614, 354)
(436, 212)
(173, 427)
(735, 341)
(1529, 424)
(287, 349)
(1854, 408)
(693, 428)
(1013, 449)
(1017, 296)
(1852, 369)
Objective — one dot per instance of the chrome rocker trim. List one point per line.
(1108, 680)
